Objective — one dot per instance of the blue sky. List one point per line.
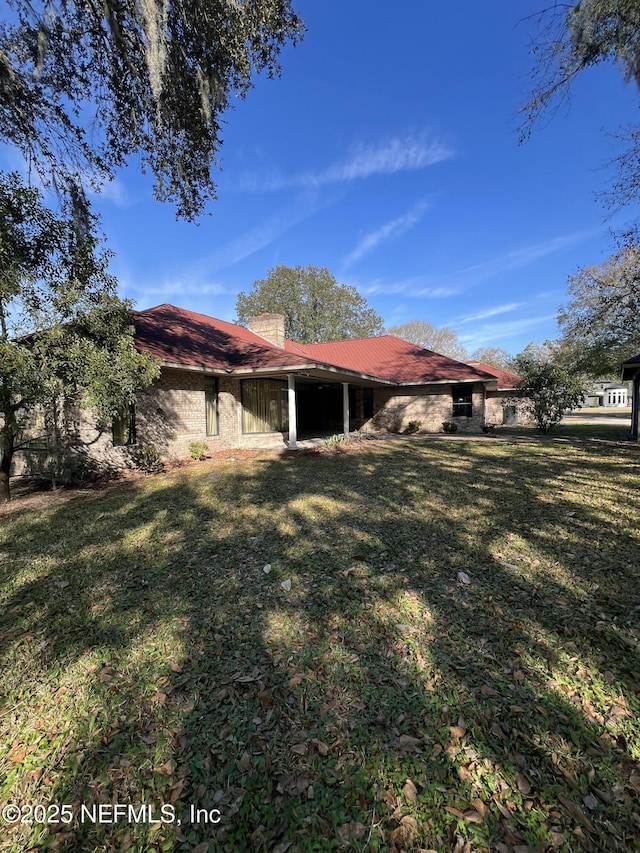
(388, 152)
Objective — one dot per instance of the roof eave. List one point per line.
(473, 381)
(286, 368)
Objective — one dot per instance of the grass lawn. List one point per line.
(404, 645)
(600, 428)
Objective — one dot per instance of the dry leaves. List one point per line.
(410, 792)
(322, 748)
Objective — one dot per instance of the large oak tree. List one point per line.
(316, 308)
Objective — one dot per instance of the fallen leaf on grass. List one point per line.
(504, 811)
(410, 791)
(286, 585)
(201, 848)
(407, 743)
(254, 675)
(350, 832)
(174, 795)
(403, 836)
(479, 806)
(106, 674)
(470, 815)
(17, 757)
(463, 577)
(576, 812)
(322, 748)
(523, 785)
(266, 700)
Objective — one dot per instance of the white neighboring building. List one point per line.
(607, 394)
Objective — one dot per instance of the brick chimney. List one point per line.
(269, 326)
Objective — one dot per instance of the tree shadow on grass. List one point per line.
(157, 662)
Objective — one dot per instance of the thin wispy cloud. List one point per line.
(197, 277)
(409, 153)
(515, 259)
(415, 286)
(303, 207)
(390, 230)
(170, 290)
(491, 312)
(490, 333)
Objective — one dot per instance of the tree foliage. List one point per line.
(63, 331)
(83, 86)
(547, 390)
(441, 340)
(316, 308)
(576, 36)
(494, 356)
(600, 325)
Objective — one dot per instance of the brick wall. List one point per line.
(429, 404)
(170, 415)
(494, 408)
(496, 400)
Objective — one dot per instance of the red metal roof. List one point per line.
(178, 336)
(506, 381)
(394, 359)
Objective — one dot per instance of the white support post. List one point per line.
(345, 408)
(293, 424)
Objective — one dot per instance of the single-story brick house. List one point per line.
(232, 387)
(631, 373)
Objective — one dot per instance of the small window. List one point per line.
(462, 401)
(211, 406)
(124, 427)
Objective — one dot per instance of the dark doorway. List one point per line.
(319, 407)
